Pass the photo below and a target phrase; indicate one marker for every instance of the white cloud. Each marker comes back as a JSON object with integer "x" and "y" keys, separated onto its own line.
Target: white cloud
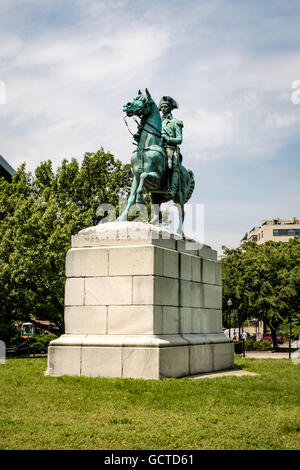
{"x": 66, "y": 82}
{"x": 65, "y": 76}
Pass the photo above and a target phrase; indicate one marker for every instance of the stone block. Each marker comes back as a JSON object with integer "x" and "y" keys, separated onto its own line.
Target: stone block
{"x": 169, "y": 243}
{"x": 171, "y": 264}
{"x": 143, "y": 290}
{"x": 219, "y": 319}
{"x": 201, "y": 358}
{"x": 218, "y": 274}
{"x": 155, "y": 290}
{"x": 191, "y": 294}
{"x": 166, "y": 291}
{"x": 223, "y": 356}
{"x": 174, "y": 361}
{"x": 212, "y": 296}
{"x": 185, "y": 266}
{"x": 185, "y": 320}
{"x": 85, "y": 320}
{"x": 206, "y": 252}
{"x": 197, "y": 294}
{"x": 101, "y": 361}
{"x": 64, "y": 360}
{"x": 185, "y": 293}
{"x": 209, "y": 321}
{"x": 142, "y": 363}
{"x": 208, "y": 271}
{"x": 108, "y": 290}
{"x": 196, "y": 314}
{"x": 134, "y": 320}
{"x": 136, "y": 260}
{"x": 82, "y": 262}
{"x": 196, "y": 268}
{"x": 74, "y": 291}
{"x": 170, "y": 320}
{"x": 187, "y": 246}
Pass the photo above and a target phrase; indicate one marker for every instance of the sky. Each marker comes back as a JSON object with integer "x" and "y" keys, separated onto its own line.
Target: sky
{"x": 68, "y": 66}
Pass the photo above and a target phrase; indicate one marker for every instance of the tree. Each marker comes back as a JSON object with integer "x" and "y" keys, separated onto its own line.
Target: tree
{"x": 38, "y": 215}
{"x": 263, "y": 281}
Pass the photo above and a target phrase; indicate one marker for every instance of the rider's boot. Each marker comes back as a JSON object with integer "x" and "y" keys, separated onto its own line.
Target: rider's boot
{"x": 173, "y": 189}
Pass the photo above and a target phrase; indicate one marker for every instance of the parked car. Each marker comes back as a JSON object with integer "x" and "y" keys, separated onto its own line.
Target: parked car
{"x": 268, "y": 337}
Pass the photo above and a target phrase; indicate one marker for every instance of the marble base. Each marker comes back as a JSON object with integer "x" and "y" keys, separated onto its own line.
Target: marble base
{"x": 146, "y": 357}
{"x": 146, "y": 306}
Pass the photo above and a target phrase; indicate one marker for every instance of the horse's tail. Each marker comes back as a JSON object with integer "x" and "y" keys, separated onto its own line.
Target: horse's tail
{"x": 191, "y": 187}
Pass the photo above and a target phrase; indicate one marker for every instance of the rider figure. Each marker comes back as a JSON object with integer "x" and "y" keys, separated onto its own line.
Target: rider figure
{"x": 172, "y": 137}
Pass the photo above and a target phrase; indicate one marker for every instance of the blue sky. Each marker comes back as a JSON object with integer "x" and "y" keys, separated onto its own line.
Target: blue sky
{"x": 69, "y": 66}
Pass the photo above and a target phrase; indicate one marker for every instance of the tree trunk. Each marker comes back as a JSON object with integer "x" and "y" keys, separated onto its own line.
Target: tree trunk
{"x": 274, "y": 338}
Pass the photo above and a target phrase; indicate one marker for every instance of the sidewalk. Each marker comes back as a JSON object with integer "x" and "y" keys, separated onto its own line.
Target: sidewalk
{"x": 270, "y": 354}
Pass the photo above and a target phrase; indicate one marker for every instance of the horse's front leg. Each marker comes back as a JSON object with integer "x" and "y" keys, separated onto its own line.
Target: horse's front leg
{"x": 139, "y": 193}
{"x": 131, "y": 199}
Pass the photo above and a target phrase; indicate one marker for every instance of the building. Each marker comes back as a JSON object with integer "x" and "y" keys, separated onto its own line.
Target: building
{"x": 6, "y": 170}
{"x": 277, "y": 230}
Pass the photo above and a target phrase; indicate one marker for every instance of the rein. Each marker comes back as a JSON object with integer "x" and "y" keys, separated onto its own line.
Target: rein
{"x": 124, "y": 118}
{"x": 159, "y": 134}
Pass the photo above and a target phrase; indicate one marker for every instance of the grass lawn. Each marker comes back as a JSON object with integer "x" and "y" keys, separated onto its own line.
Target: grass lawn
{"x": 249, "y": 412}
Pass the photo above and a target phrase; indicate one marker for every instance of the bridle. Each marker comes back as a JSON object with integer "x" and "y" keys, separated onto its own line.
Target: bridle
{"x": 157, "y": 132}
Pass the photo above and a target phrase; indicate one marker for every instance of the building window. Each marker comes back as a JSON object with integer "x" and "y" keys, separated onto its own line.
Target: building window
{"x": 284, "y": 232}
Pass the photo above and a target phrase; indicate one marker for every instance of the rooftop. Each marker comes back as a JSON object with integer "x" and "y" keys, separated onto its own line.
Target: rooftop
{"x": 5, "y": 169}
{"x": 292, "y": 221}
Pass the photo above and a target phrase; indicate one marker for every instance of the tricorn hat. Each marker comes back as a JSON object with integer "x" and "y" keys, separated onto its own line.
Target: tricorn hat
{"x": 169, "y": 100}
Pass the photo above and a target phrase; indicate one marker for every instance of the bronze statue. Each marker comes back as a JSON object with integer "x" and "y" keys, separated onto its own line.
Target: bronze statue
{"x": 157, "y": 149}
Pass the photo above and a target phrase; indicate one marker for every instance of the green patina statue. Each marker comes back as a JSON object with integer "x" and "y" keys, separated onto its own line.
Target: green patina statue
{"x": 156, "y": 162}
{"x": 172, "y": 137}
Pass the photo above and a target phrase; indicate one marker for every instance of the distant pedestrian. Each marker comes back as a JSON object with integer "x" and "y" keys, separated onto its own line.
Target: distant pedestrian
{"x": 244, "y": 335}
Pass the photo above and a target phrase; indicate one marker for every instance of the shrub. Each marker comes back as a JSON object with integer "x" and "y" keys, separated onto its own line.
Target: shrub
{"x": 41, "y": 342}
{"x": 252, "y": 345}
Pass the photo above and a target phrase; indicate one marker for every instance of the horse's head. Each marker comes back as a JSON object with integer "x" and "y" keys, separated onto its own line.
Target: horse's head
{"x": 139, "y": 106}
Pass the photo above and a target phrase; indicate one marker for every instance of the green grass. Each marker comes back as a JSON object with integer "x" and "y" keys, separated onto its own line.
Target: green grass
{"x": 249, "y": 412}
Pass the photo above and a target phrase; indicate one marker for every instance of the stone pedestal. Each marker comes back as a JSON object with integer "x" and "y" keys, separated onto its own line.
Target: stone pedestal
{"x": 140, "y": 302}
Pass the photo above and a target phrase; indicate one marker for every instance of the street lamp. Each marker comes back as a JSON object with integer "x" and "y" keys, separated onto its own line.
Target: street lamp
{"x": 229, "y": 303}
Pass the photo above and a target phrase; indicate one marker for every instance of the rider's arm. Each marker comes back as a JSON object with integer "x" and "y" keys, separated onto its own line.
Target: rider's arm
{"x": 177, "y": 140}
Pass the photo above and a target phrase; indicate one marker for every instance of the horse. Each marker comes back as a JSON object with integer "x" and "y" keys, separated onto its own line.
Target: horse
{"x": 148, "y": 162}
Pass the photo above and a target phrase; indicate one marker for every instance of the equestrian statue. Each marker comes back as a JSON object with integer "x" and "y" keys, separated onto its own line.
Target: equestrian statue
{"x": 157, "y": 162}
